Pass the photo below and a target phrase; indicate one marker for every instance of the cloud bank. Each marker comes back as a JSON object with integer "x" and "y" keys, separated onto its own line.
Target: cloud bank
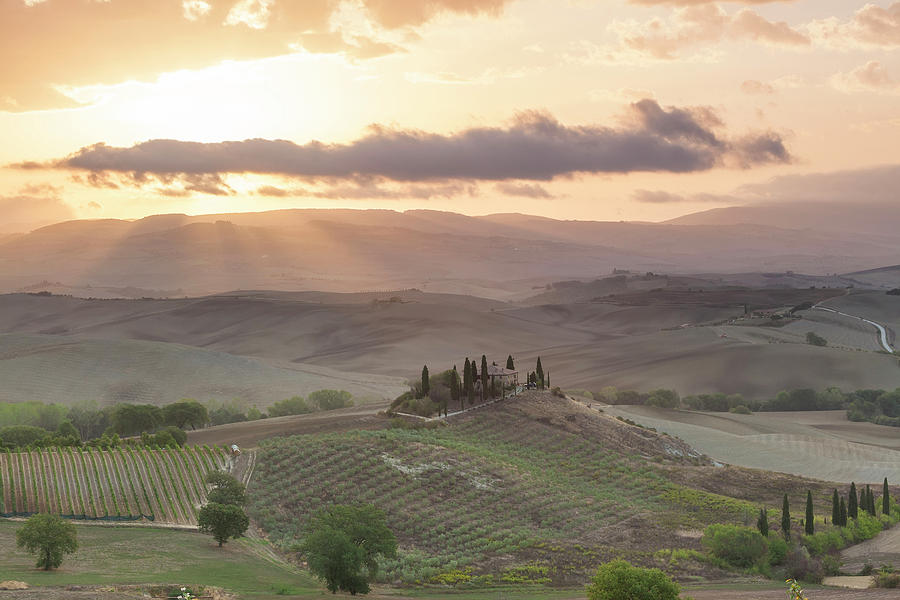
{"x": 534, "y": 147}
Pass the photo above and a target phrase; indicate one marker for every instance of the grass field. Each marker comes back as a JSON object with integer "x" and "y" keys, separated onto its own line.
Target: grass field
{"x": 130, "y": 555}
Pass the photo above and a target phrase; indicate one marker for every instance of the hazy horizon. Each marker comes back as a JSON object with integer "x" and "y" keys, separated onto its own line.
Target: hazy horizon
{"x": 636, "y": 110}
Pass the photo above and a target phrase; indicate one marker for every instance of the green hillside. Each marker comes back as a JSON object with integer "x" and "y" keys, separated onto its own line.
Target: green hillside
{"x": 537, "y": 488}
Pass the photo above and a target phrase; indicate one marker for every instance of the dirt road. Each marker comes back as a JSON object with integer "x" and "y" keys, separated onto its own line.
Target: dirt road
{"x": 248, "y": 434}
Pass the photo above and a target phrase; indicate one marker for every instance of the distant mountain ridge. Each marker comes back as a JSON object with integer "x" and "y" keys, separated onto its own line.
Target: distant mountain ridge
{"x": 500, "y": 256}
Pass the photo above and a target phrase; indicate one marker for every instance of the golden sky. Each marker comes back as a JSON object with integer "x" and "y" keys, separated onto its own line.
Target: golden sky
{"x": 587, "y": 109}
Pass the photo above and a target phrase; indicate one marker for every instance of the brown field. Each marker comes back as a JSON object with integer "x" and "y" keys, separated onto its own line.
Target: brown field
{"x": 884, "y": 549}
{"x": 260, "y": 347}
{"x": 822, "y": 445}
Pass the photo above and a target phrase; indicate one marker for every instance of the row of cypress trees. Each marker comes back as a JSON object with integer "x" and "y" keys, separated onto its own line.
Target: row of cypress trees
{"x": 840, "y": 511}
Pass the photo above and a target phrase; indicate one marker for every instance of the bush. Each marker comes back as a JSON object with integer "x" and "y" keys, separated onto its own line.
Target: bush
{"x": 803, "y": 567}
{"x": 331, "y": 399}
{"x": 738, "y": 546}
{"x": 887, "y": 579}
{"x": 815, "y": 340}
{"x": 292, "y": 406}
{"x": 741, "y": 410}
{"x": 664, "y": 399}
{"x": 618, "y": 580}
{"x": 778, "y": 549}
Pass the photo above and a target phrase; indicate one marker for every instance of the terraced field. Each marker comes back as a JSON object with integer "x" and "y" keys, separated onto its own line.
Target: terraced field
{"x": 125, "y": 484}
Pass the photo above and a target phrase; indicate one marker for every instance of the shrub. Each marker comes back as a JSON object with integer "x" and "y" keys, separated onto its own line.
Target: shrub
{"x": 619, "y": 580}
{"x": 738, "y": 546}
{"x": 815, "y": 340}
{"x": 778, "y": 549}
{"x": 801, "y": 566}
{"x": 331, "y": 399}
{"x": 741, "y": 410}
{"x": 887, "y": 579}
{"x": 291, "y": 406}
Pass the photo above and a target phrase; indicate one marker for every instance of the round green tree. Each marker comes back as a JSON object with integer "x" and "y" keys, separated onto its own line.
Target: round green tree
{"x": 343, "y": 546}
{"x": 49, "y": 537}
{"x": 225, "y": 489}
{"x": 223, "y": 521}
{"x": 619, "y": 580}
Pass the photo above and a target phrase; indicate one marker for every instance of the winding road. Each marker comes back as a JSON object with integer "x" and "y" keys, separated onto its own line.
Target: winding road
{"x": 881, "y": 329}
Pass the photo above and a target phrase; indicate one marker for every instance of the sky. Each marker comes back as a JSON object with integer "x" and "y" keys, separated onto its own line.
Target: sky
{"x": 573, "y": 109}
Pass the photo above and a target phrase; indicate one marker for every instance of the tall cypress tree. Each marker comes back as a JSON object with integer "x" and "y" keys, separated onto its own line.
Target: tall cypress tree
{"x": 467, "y": 381}
{"x": 539, "y": 371}
{"x": 426, "y": 385}
{"x": 886, "y": 499}
{"x": 867, "y": 505}
{"x": 786, "y": 518}
{"x": 484, "y": 378}
{"x": 843, "y": 513}
{"x": 810, "y": 516}
{"x": 548, "y": 378}
{"x": 454, "y": 388}
{"x": 852, "y": 502}
{"x": 835, "y": 509}
{"x": 762, "y": 523}
{"x": 510, "y": 364}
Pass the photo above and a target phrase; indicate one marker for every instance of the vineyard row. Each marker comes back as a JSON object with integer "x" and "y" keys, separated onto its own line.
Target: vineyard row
{"x": 123, "y": 484}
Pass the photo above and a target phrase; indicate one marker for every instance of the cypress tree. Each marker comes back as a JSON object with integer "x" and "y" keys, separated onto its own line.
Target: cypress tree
{"x": 467, "y": 381}
{"x": 810, "y": 517}
{"x": 867, "y": 505}
{"x": 886, "y": 499}
{"x": 510, "y": 364}
{"x": 835, "y": 509}
{"x": 548, "y": 378}
{"x": 843, "y": 513}
{"x": 872, "y": 510}
{"x": 786, "y": 518}
{"x": 762, "y": 523}
{"x": 539, "y": 371}
{"x": 454, "y": 388}
{"x": 852, "y": 502}
{"x": 484, "y": 378}
{"x": 426, "y": 385}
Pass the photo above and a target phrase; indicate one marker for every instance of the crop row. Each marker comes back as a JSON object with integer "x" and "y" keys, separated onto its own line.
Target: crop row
{"x": 456, "y": 496}
{"x": 123, "y": 484}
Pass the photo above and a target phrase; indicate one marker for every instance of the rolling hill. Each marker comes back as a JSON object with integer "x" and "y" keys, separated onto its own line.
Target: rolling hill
{"x": 265, "y": 346}
{"x": 499, "y": 256}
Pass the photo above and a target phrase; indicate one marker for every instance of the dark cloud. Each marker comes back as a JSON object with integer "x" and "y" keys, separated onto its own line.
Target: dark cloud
{"x": 535, "y": 147}
{"x": 107, "y": 42}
